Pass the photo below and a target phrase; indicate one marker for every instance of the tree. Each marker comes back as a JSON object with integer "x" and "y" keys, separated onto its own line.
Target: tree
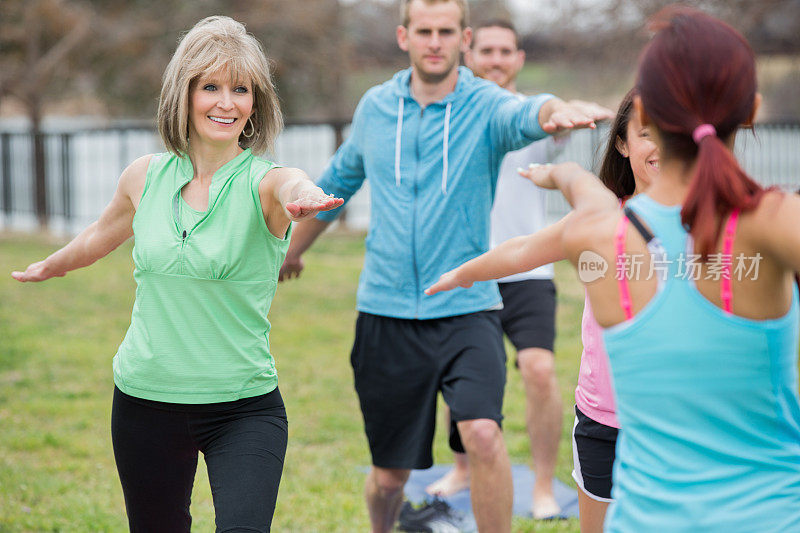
{"x": 38, "y": 38}
{"x": 117, "y": 51}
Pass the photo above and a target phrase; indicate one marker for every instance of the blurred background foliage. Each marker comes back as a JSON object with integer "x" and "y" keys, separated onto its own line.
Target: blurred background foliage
{"x": 105, "y": 58}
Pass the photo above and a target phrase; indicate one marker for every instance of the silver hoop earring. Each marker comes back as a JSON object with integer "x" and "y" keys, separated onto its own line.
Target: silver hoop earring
{"x": 252, "y": 128}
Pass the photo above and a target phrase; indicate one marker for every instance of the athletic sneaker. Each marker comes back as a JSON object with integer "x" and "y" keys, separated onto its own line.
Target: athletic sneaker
{"x": 432, "y": 517}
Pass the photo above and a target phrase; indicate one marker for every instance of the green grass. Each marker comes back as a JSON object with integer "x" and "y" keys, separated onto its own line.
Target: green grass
{"x": 56, "y": 343}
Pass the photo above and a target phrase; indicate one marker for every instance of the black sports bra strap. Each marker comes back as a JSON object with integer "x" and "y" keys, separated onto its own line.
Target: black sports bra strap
{"x": 646, "y": 234}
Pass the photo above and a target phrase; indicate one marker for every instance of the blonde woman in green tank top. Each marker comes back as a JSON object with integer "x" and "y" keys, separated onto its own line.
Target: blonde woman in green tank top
{"x": 211, "y": 223}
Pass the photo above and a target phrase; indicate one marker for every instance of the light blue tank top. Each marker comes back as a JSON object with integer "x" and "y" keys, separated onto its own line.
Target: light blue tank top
{"x": 708, "y": 407}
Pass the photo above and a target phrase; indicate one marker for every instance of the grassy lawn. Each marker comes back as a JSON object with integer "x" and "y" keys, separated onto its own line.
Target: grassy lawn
{"x": 56, "y": 343}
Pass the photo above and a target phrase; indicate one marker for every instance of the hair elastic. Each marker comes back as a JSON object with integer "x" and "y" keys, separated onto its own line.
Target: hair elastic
{"x": 702, "y": 131}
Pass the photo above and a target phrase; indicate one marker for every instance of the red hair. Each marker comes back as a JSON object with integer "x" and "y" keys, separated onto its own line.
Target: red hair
{"x": 698, "y": 70}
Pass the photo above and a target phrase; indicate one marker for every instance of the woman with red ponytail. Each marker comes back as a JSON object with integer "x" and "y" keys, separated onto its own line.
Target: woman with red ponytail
{"x": 698, "y": 299}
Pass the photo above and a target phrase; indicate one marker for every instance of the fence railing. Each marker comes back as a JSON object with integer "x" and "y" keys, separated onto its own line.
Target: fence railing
{"x": 82, "y": 167}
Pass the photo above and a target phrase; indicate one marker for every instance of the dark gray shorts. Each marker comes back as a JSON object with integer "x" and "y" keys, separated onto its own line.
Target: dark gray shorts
{"x": 400, "y": 365}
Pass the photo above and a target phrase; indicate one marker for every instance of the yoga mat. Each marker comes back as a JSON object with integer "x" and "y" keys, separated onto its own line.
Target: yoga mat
{"x": 566, "y": 496}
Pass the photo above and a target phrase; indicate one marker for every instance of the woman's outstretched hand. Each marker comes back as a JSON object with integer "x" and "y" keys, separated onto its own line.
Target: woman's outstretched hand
{"x": 36, "y": 272}
{"x": 540, "y": 175}
{"x": 310, "y": 202}
{"x": 447, "y": 282}
{"x": 545, "y": 175}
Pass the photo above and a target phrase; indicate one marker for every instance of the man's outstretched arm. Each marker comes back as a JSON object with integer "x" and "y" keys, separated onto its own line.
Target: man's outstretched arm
{"x": 343, "y": 177}
{"x": 517, "y": 123}
{"x": 557, "y": 116}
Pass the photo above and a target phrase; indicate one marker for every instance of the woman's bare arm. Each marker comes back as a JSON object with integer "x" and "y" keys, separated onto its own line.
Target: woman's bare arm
{"x": 114, "y": 227}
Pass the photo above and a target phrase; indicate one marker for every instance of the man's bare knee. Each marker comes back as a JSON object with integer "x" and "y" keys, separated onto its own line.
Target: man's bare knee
{"x": 389, "y": 481}
{"x": 482, "y": 438}
{"x": 537, "y": 367}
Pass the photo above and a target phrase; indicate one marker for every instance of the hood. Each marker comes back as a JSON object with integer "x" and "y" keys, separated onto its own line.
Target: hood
{"x": 401, "y": 84}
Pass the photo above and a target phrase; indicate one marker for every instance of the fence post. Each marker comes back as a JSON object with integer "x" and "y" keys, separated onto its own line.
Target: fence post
{"x": 5, "y": 150}
{"x": 39, "y": 179}
{"x": 595, "y": 142}
{"x": 338, "y": 130}
{"x": 123, "y": 149}
{"x": 66, "y": 179}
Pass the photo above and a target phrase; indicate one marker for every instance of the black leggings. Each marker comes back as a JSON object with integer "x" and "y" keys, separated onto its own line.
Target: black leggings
{"x": 156, "y": 444}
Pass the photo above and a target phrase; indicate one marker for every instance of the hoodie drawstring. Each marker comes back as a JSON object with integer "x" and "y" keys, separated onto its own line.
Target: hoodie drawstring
{"x": 445, "y": 146}
{"x": 397, "y": 143}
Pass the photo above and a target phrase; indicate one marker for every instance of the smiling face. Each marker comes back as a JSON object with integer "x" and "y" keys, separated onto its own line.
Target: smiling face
{"x": 433, "y": 39}
{"x": 218, "y": 108}
{"x": 494, "y": 56}
{"x": 642, "y": 152}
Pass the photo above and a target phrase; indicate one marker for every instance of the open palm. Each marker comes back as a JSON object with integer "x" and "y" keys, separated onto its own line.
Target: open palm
{"x": 311, "y": 202}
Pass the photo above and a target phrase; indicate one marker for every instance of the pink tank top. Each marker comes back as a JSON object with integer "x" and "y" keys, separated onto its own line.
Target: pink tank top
{"x": 594, "y": 394}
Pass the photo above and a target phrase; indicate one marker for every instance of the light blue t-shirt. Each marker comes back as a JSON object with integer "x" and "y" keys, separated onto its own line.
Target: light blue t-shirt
{"x": 708, "y": 407}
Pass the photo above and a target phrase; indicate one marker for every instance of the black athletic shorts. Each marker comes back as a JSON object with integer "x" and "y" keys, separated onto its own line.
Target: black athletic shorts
{"x": 400, "y": 365}
{"x": 529, "y": 313}
{"x": 593, "y": 452}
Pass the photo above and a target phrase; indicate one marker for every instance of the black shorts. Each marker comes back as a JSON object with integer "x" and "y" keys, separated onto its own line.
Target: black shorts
{"x": 529, "y": 313}
{"x": 400, "y": 366}
{"x": 593, "y": 452}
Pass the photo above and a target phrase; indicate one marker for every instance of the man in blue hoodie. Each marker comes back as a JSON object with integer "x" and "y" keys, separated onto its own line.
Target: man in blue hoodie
{"x": 529, "y": 298}
{"x": 430, "y": 141}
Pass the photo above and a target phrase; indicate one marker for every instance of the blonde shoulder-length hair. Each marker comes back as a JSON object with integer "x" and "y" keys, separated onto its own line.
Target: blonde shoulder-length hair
{"x": 217, "y": 44}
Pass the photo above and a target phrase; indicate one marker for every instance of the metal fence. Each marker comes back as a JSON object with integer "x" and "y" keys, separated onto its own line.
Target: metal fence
{"x": 82, "y": 167}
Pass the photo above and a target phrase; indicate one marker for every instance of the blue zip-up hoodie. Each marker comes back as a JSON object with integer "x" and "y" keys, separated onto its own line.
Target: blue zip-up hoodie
{"x": 432, "y": 176}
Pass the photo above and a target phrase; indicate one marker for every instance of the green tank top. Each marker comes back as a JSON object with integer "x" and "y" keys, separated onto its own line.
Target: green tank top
{"x": 199, "y": 331}
{"x": 187, "y": 215}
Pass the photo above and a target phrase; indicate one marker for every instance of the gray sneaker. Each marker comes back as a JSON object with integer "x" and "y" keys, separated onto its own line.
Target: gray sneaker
{"x": 435, "y": 516}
